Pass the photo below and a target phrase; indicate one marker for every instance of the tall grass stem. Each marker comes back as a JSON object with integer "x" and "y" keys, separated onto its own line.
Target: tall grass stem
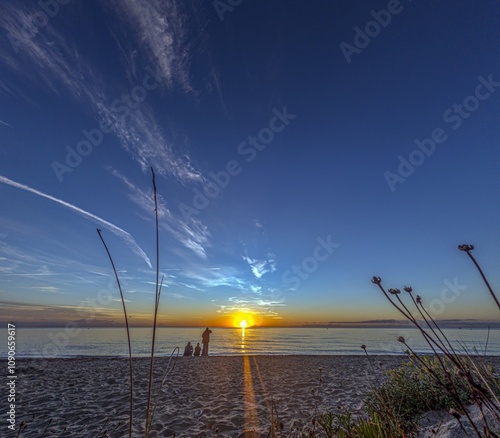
{"x": 128, "y": 333}
{"x": 157, "y": 298}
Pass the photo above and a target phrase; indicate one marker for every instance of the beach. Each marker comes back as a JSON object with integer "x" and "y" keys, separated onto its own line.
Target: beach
{"x": 200, "y": 395}
{"x": 224, "y": 396}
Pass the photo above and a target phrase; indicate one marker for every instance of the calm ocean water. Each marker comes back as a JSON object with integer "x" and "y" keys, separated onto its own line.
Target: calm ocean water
{"x": 55, "y": 342}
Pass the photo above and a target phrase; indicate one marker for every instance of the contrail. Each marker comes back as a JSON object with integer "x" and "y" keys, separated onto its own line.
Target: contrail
{"x": 105, "y": 224}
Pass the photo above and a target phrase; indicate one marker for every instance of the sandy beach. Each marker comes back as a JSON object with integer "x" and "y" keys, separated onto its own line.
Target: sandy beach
{"x": 232, "y": 396}
{"x": 200, "y": 396}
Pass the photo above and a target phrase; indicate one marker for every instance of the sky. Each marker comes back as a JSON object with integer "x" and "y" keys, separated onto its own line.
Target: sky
{"x": 299, "y": 149}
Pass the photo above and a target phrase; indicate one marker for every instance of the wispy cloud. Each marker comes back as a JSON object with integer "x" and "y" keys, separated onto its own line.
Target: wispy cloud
{"x": 191, "y": 233}
{"x": 159, "y": 28}
{"x": 57, "y": 62}
{"x": 256, "y": 303}
{"x": 60, "y": 67}
{"x": 261, "y": 267}
{"x": 191, "y": 286}
{"x": 256, "y": 289}
{"x": 176, "y": 296}
{"x": 50, "y": 289}
{"x": 255, "y": 306}
{"x": 129, "y": 240}
{"x": 43, "y": 313}
{"x": 140, "y": 135}
{"x": 207, "y": 277}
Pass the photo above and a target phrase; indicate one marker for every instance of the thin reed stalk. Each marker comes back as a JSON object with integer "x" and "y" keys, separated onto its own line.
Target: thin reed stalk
{"x": 157, "y": 301}
{"x": 407, "y": 314}
{"x": 46, "y": 428}
{"x": 423, "y": 310}
{"x": 22, "y": 426}
{"x": 467, "y": 249}
{"x": 128, "y": 333}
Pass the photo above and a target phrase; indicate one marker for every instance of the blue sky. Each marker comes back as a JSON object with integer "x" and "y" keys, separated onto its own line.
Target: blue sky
{"x": 299, "y": 148}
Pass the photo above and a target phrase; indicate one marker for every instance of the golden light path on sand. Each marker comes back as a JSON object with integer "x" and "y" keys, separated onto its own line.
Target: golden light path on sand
{"x": 251, "y": 417}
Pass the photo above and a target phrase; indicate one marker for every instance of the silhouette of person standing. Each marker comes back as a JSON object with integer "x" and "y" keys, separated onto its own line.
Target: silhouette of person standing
{"x": 205, "y": 339}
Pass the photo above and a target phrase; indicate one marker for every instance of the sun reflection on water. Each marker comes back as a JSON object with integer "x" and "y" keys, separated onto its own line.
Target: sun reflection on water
{"x": 242, "y": 339}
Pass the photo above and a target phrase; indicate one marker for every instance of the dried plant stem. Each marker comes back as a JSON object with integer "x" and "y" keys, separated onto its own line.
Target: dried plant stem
{"x": 46, "y": 428}
{"x": 101, "y": 430}
{"x": 407, "y": 314}
{"x": 22, "y": 426}
{"x": 128, "y": 334}
{"x": 157, "y": 301}
{"x": 484, "y": 277}
{"x": 423, "y": 310}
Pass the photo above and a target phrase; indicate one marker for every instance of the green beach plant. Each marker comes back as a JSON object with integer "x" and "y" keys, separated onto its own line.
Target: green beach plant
{"x": 411, "y": 391}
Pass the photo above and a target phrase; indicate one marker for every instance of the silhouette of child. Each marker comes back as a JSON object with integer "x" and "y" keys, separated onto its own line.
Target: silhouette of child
{"x": 197, "y": 349}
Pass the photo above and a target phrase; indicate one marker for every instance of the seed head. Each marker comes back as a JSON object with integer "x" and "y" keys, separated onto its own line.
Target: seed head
{"x": 394, "y": 291}
{"x": 418, "y": 299}
{"x": 401, "y": 339}
{"x": 408, "y": 289}
{"x": 376, "y": 280}
{"x": 466, "y": 247}
{"x": 363, "y": 347}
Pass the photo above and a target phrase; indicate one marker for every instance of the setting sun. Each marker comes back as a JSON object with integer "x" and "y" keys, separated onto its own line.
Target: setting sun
{"x": 243, "y": 319}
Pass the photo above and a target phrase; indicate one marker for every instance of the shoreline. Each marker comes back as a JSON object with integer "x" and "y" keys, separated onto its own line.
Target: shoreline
{"x": 166, "y": 356}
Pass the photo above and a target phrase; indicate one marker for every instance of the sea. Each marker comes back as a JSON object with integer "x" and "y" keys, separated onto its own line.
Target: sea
{"x": 60, "y": 342}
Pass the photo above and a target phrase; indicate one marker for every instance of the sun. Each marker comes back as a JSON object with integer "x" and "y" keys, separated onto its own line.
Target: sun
{"x": 243, "y": 319}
